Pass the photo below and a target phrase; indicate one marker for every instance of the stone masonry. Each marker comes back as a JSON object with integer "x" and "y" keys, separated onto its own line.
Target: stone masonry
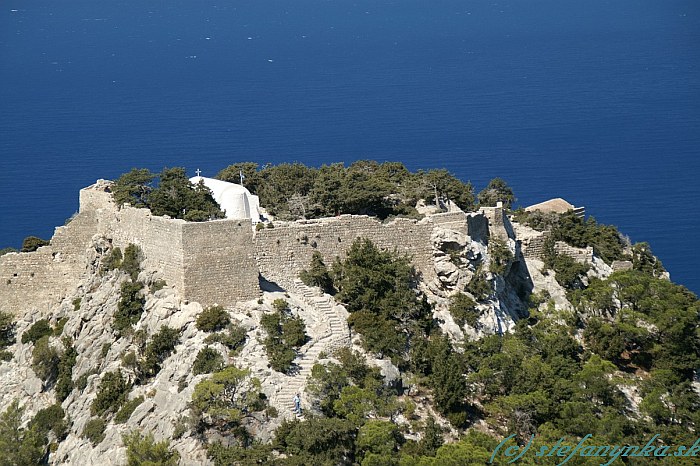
{"x": 282, "y": 252}
{"x": 217, "y": 262}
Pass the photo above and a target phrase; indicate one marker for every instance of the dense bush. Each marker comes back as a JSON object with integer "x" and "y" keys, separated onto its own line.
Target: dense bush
{"x": 32, "y": 243}
{"x": 233, "y": 337}
{"x": 378, "y": 288}
{"x": 8, "y": 250}
{"x": 158, "y": 285}
{"x": 285, "y": 333}
{"x": 129, "y": 308}
{"x": 127, "y": 410}
{"x": 464, "y": 310}
{"x": 133, "y": 188}
{"x": 607, "y": 242}
{"x": 19, "y": 445}
{"x": 213, "y": 319}
{"x": 51, "y": 419}
{"x": 317, "y": 274}
{"x": 64, "y": 382}
{"x": 496, "y": 191}
{"x": 174, "y": 195}
{"x": 479, "y": 286}
{"x": 113, "y": 260}
{"x": 327, "y": 382}
{"x": 227, "y": 397}
{"x": 569, "y": 273}
{"x": 131, "y": 263}
{"x": 60, "y": 325}
{"x": 94, "y": 430}
{"x": 39, "y": 329}
{"x": 111, "y": 394}
{"x": 161, "y": 345}
{"x": 208, "y": 360}
{"x": 291, "y": 191}
{"x": 144, "y": 451}
{"x": 45, "y": 360}
{"x": 7, "y": 330}
{"x": 500, "y": 255}
{"x": 645, "y": 261}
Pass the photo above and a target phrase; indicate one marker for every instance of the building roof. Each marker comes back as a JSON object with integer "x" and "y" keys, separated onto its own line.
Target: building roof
{"x": 234, "y": 199}
{"x": 557, "y": 205}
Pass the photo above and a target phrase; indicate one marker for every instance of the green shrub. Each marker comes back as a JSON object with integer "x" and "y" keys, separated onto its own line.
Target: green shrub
{"x": 131, "y": 264}
{"x": 133, "y": 187}
{"x": 129, "y": 360}
{"x": 127, "y": 410}
{"x": 81, "y": 382}
{"x": 51, "y": 419}
{"x": 105, "y": 350}
{"x": 317, "y": 274}
{"x": 58, "y": 330}
{"x": 233, "y": 338}
{"x": 645, "y": 261}
{"x": 45, "y": 360}
{"x": 39, "y": 329}
{"x": 500, "y": 255}
{"x": 479, "y": 286}
{"x": 284, "y": 334}
{"x": 64, "y": 382}
{"x": 129, "y": 308}
{"x": 464, "y": 310}
{"x": 280, "y": 305}
{"x": 19, "y": 445}
{"x": 259, "y": 226}
{"x": 158, "y": 349}
{"x": 144, "y": 451}
{"x": 7, "y": 329}
{"x": 32, "y": 243}
{"x": 158, "y": 285}
{"x": 5, "y": 355}
{"x": 113, "y": 260}
{"x": 208, "y": 360}
{"x": 606, "y": 240}
{"x": 496, "y": 191}
{"x": 111, "y": 394}
{"x": 213, "y": 319}
{"x": 8, "y": 250}
{"x": 94, "y": 430}
{"x": 76, "y": 304}
{"x": 568, "y": 271}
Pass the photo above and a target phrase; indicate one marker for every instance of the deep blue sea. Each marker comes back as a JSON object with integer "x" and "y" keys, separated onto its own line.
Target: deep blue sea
{"x": 595, "y": 101}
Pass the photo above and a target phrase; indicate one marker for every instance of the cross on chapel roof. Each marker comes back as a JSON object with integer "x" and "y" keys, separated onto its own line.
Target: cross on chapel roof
{"x": 198, "y": 171}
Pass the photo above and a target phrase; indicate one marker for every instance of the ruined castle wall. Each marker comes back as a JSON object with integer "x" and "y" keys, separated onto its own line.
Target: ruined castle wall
{"x": 582, "y": 255}
{"x": 30, "y": 281}
{"x": 282, "y": 252}
{"x": 159, "y": 238}
{"x": 39, "y": 280}
{"x": 533, "y": 246}
{"x": 219, "y": 262}
{"x": 455, "y": 221}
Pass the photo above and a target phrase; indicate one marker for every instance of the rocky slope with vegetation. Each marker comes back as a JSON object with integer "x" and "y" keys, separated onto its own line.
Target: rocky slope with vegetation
{"x": 391, "y": 369}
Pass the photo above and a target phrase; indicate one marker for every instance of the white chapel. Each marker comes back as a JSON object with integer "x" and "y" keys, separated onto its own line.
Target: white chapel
{"x": 234, "y": 199}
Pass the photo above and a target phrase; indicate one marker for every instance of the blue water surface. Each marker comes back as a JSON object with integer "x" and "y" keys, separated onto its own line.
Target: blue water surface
{"x": 597, "y": 102}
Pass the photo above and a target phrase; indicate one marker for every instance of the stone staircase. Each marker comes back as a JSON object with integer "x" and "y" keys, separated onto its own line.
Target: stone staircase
{"x": 337, "y": 336}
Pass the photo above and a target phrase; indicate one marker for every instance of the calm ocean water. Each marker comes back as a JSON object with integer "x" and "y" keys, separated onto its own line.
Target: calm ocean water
{"x": 597, "y": 102}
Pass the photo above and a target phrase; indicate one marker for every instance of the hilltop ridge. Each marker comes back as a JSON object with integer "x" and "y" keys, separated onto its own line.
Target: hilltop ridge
{"x": 417, "y": 331}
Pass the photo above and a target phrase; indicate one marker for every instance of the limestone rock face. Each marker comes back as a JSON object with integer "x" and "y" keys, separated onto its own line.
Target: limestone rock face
{"x": 455, "y": 257}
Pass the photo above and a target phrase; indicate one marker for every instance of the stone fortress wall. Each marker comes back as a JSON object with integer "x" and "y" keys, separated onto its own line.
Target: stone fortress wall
{"x": 211, "y": 262}
{"x": 282, "y": 252}
{"x": 220, "y": 262}
{"x": 41, "y": 279}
